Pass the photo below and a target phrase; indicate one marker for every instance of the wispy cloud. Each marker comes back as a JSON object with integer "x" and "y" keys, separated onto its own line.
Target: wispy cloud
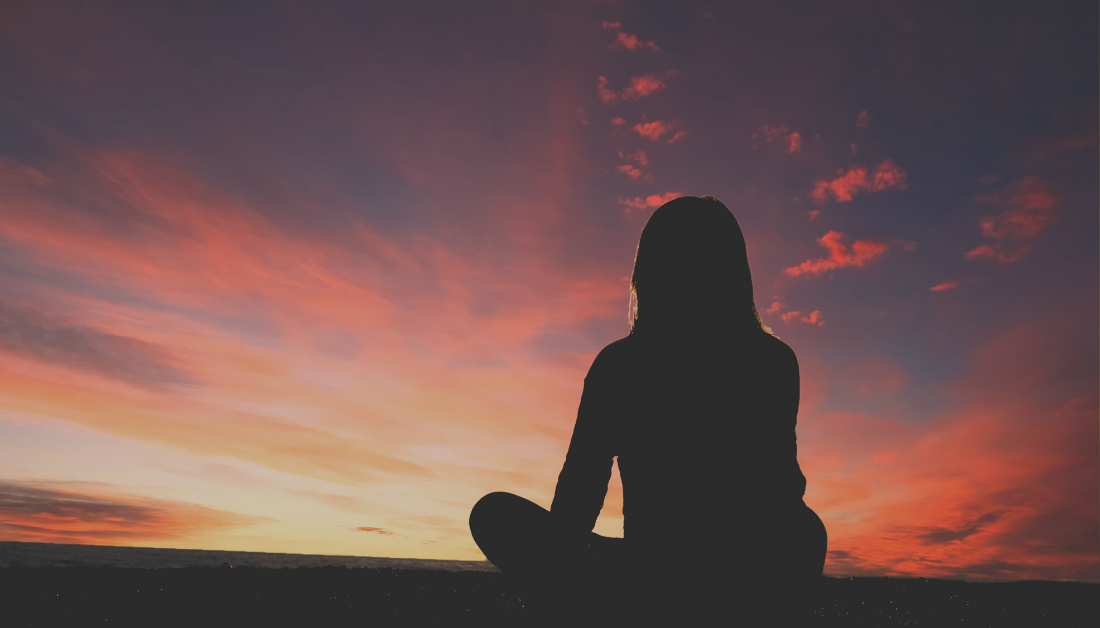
{"x": 30, "y": 332}
{"x": 1032, "y": 208}
{"x": 627, "y": 41}
{"x": 652, "y": 201}
{"x": 886, "y": 175}
{"x": 15, "y": 174}
{"x": 840, "y": 255}
{"x": 381, "y": 531}
{"x": 642, "y": 86}
{"x": 630, "y": 171}
{"x": 946, "y": 285}
{"x": 50, "y": 512}
{"x": 606, "y": 96}
{"x": 639, "y": 87}
{"x": 792, "y": 139}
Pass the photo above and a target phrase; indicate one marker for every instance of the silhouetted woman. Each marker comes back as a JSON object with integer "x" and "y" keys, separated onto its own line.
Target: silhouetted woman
{"x": 698, "y": 405}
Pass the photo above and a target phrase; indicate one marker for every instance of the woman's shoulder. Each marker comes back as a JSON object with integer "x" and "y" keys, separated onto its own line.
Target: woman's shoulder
{"x": 777, "y": 352}
{"x": 620, "y": 352}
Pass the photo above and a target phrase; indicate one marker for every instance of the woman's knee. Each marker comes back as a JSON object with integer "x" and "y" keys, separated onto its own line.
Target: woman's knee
{"x": 488, "y": 511}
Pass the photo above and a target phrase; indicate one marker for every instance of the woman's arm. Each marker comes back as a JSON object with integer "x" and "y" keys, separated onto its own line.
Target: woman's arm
{"x": 582, "y": 483}
{"x": 796, "y": 481}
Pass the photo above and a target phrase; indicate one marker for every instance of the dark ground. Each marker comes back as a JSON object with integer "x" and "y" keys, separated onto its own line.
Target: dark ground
{"x": 339, "y": 596}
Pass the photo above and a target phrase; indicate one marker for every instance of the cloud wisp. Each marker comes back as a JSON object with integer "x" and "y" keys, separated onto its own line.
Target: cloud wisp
{"x": 29, "y": 332}
{"x": 51, "y": 513}
{"x": 847, "y": 184}
{"x": 1031, "y": 209}
{"x": 840, "y": 255}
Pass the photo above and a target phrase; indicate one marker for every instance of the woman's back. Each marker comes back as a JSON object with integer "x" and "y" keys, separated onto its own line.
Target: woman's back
{"x": 702, "y": 429}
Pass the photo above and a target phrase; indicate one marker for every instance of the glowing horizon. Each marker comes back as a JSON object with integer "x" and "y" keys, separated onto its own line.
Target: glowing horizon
{"x": 314, "y": 280}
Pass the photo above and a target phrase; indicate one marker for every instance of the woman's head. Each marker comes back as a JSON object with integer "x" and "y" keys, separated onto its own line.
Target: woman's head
{"x": 691, "y": 271}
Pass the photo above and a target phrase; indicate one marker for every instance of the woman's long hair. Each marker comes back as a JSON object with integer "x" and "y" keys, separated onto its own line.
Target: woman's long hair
{"x": 691, "y": 272}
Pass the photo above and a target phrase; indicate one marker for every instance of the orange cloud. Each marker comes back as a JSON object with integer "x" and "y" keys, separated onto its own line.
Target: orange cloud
{"x": 374, "y": 530}
{"x": 814, "y": 318}
{"x": 886, "y": 175}
{"x": 605, "y": 95}
{"x": 13, "y": 173}
{"x": 770, "y": 134}
{"x": 795, "y": 143}
{"x": 946, "y": 285}
{"x": 1035, "y": 209}
{"x": 630, "y": 171}
{"x": 654, "y": 200}
{"x": 48, "y": 512}
{"x": 642, "y": 86}
{"x": 774, "y": 307}
{"x": 840, "y": 255}
{"x": 653, "y": 131}
{"x": 1032, "y": 208}
{"x": 631, "y": 42}
{"x": 638, "y": 156}
{"x": 29, "y": 332}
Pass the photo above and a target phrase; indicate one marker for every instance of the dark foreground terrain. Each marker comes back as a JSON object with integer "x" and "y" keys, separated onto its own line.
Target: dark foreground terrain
{"x": 340, "y": 596}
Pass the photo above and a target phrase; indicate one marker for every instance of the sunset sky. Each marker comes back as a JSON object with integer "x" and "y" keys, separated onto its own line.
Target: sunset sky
{"x": 314, "y": 277}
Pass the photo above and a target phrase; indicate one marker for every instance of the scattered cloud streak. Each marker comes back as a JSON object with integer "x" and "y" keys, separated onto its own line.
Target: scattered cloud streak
{"x": 29, "y": 332}
{"x": 840, "y": 255}
{"x": 48, "y": 513}
{"x": 1032, "y": 208}
{"x": 846, "y": 185}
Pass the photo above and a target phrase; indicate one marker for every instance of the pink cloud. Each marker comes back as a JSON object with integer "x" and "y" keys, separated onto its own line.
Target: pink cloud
{"x": 814, "y": 318}
{"x": 840, "y": 255}
{"x": 618, "y": 121}
{"x": 998, "y": 253}
{"x": 654, "y": 200}
{"x": 642, "y": 86}
{"x": 813, "y": 213}
{"x": 11, "y": 172}
{"x": 53, "y": 512}
{"x": 638, "y": 156}
{"x": 630, "y": 171}
{"x": 886, "y": 175}
{"x": 631, "y": 42}
{"x": 770, "y": 134}
{"x": 774, "y": 307}
{"x": 582, "y": 116}
{"x": 605, "y": 95}
{"x": 864, "y": 120}
{"x": 1032, "y": 208}
{"x": 611, "y": 26}
{"x": 374, "y": 530}
{"x": 795, "y": 143}
{"x": 679, "y": 135}
{"x": 652, "y": 131}
{"x": 946, "y": 285}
